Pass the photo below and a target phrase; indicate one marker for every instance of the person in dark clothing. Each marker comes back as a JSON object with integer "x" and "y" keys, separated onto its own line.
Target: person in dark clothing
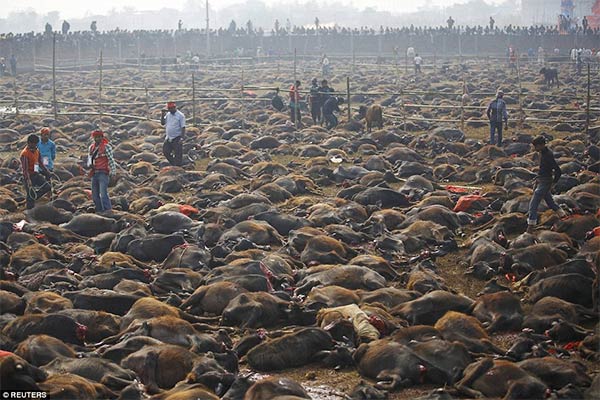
{"x": 548, "y": 174}
{"x": 496, "y": 113}
{"x": 329, "y": 107}
{"x": 35, "y": 174}
{"x": 324, "y": 94}
{"x": 315, "y": 102}
{"x": 65, "y": 27}
{"x": 295, "y": 115}
{"x": 48, "y": 28}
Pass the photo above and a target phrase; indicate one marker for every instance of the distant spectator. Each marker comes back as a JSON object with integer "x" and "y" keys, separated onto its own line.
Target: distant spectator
{"x": 65, "y": 27}
{"x": 93, "y": 27}
{"x": 496, "y": 113}
{"x": 492, "y": 22}
{"x": 418, "y": 61}
{"x": 48, "y": 28}
{"x": 450, "y": 22}
{"x": 295, "y": 115}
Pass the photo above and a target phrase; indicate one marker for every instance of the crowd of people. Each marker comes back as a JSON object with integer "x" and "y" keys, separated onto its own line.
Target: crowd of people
{"x": 94, "y": 37}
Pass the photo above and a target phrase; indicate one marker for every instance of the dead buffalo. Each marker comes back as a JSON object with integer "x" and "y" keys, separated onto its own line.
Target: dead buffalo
{"x": 467, "y": 330}
{"x": 500, "y": 379}
{"x": 430, "y": 307}
{"x": 154, "y": 247}
{"x": 253, "y": 310}
{"x": 500, "y": 311}
{"x": 41, "y": 349}
{"x": 18, "y": 374}
{"x": 557, "y": 373}
{"x": 394, "y": 365}
{"x": 96, "y": 369}
{"x": 276, "y": 388}
{"x": 90, "y": 225}
{"x": 292, "y": 350}
{"x": 574, "y": 288}
{"x": 348, "y": 276}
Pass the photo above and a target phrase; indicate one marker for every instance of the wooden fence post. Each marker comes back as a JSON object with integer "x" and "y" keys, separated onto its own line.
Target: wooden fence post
{"x": 296, "y": 95}
{"x": 100, "y": 88}
{"x": 193, "y": 100}
{"x": 54, "y": 76}
{"x": 242, "y": 95}
{"x": 462, "y": 105}
{"x": 16, "y": 94}
{"x": 403, "y": 106}
{"x": 147, "y": 101}
{"x": 521, "y": 112}
{"x": 348, "y": 97}
{"x": 587, "y": 107}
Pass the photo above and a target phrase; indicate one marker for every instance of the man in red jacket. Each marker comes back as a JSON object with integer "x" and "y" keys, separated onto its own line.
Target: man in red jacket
{"x": 34, "y": 172}
{"x": 102, "y": 165}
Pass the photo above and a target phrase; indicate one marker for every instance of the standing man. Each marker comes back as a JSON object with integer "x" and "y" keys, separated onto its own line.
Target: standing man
{"x": 548, "y": 174}
{"x": 492, "y": 23}
{"x": 65, "y": 27}
{"x": 102, "y": 167}
{"x": 450, "y": 22}
{"x": 496, "y": 113}
{"x": 47, "y": 149}
{"x": 35, "y": 174}
{"x": 325, "y": 65}
{"x": 418, "y": 61}
{"x": 540, "y": 55}
{"x": 314, "y": 99}
{"x": 295, "y": 116}
{"x": 174, "y": 122}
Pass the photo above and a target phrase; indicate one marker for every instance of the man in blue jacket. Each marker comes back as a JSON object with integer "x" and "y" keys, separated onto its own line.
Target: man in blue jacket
{"x": 47, "y": 149}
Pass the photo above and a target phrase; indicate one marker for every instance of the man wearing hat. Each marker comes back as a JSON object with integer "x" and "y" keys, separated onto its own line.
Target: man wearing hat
{"x": 174, "y": 122}
{"x": 102, "y": 165}
{"x": 34, "y": 172}
{"x": 548, "y": 174}
{"x": 47, "y": 149}
{"x": 496, "y": 113}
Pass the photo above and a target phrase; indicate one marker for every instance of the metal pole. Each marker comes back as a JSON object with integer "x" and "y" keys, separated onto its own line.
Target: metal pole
{"x": 296, "y": 96}
{"x": 16, "y": 95}
{"x": 147, "y": 101}
{"x": 120, "y": 53}
{"x": 348, "y": 97}
{"x": 33, "y": 50}
{"x": 352, "y": 49}
{"x": 100, "y": 88}
{"x": 589, "y": 99}
{"x": 462, "y": 105}
{"x": 78, "y": 54}
{"x": 207, "y": 33}
{"x": 193, "y": 100}
{"x": 54, "y": 76}
{"x": 521, "y": 113}
{"x": 242, "y": 95}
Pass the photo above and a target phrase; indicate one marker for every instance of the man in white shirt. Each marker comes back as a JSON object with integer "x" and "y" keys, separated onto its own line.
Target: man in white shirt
{"x": 418, "y": 61}
{"x": 174, "y": 122}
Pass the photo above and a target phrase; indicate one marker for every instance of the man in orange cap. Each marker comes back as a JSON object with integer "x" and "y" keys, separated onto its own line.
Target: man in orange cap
{"x": 102, "y": 164}
{"x": 34, "y": 172}
{"x": 174, "y": 122}
{"x": 47, "y": 149}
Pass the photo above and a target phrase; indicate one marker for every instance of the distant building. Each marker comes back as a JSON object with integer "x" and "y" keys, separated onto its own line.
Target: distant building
{"x": 540, "y": 12}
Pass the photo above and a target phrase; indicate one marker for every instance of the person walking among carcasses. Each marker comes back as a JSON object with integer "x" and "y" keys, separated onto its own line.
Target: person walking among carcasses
{"x": 35, "y": 174}
{"x": 174, "y": 122}
{"x": 314, "y": 98}
{"x": 47, "y": 149}
{"x": 102, "y": 166}
{"x": 548, "y": 174}
{"x": 496, "y": 113}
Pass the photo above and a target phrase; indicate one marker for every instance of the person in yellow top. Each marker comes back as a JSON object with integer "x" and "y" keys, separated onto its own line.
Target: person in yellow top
{"x": 35, "y": 174}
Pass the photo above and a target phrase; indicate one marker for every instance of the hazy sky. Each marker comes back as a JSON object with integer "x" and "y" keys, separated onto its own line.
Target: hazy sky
{"x": 79, "y": 8}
